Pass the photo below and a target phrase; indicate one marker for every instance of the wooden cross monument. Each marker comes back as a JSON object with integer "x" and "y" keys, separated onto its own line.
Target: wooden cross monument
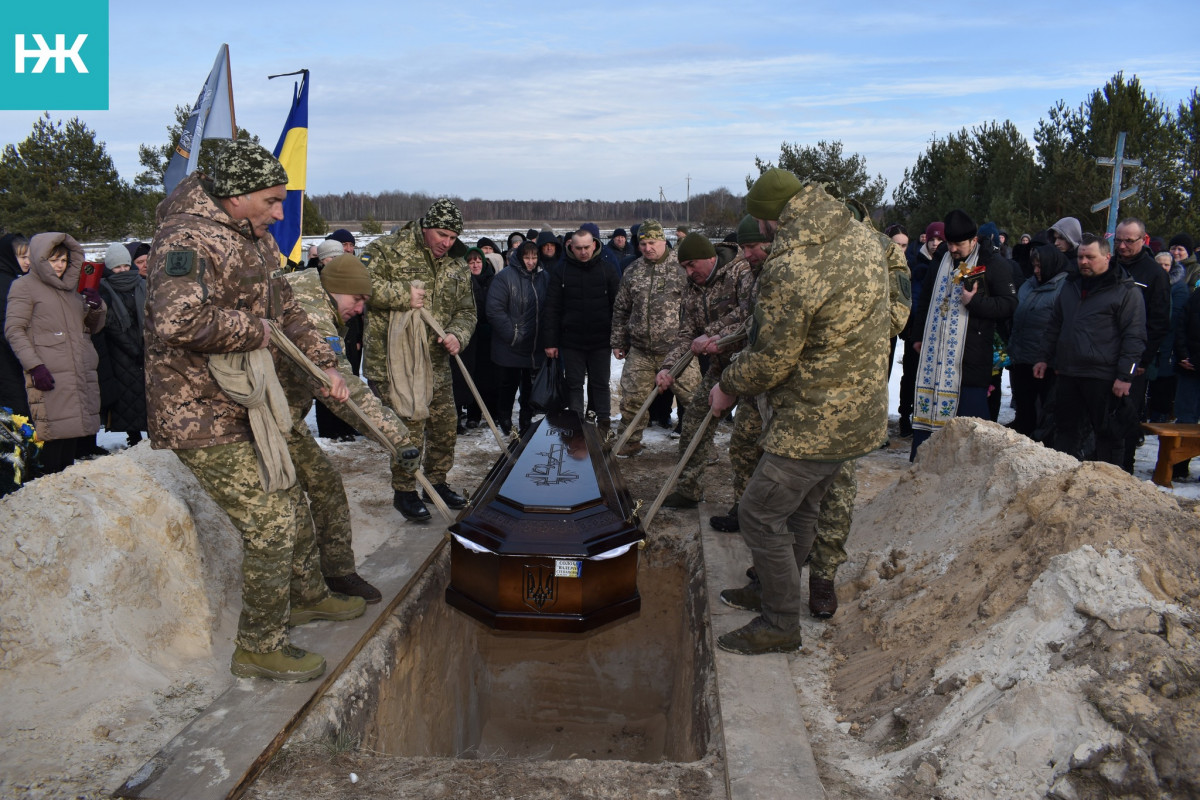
{"x": 1114, "y": 199}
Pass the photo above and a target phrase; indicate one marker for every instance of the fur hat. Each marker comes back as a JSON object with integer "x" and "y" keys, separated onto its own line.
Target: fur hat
{"x": 1182, "y": 239}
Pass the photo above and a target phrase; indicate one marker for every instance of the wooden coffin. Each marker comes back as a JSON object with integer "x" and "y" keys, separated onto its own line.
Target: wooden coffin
{"x": 548, "y": 542}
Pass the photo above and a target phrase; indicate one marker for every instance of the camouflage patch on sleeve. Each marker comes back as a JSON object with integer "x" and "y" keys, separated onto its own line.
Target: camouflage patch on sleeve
{"x": 365, "y": 258}
{"x": 180, "y": 263}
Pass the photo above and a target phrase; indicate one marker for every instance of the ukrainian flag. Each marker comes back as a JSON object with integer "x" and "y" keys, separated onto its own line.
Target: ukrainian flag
{"x": 292, "y": 152}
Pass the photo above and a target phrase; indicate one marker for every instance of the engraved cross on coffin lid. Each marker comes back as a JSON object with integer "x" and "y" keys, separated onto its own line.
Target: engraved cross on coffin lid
{"x": 548, "y": 543}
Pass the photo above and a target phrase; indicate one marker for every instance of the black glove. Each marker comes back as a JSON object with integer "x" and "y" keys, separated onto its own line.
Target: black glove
{"x": 410, "y": 459}
{"x": 42, "y": 379}
{"x": 92, "y": 296}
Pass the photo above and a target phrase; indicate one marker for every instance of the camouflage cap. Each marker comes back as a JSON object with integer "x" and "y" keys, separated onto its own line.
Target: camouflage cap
{"x": 748, "y": 232}
{"x": 244, "y": 167}
{"x": 346, "y": 275}
{"x": 771, "y": 192}
{"x": 651, "y": 229}
{"x": 445, "y": 215}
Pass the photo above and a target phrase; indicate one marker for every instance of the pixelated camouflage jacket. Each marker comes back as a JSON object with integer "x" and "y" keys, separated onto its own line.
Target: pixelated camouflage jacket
{"x": 720, "y": 307}
{"x": 646, "y": 309}
{"x": 393, "y": 262}
{"x": 209, "y": 286}
{"x": 323, "y": 314}
{"x": 819, "y": 344}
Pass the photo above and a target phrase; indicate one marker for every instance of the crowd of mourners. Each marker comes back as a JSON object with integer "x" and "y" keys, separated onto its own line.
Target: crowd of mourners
{"x": 86, "y": 368}
{"x": 202, "y": 341}
{"x": 1086, "y": 362}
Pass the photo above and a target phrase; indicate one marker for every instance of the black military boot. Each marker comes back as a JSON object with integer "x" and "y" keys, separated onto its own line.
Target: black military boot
{"x": 355, "y": 586}
{"x": 408, "y": 504}
{"x": 728, "y": 523}
{"x": 451, "y": 498}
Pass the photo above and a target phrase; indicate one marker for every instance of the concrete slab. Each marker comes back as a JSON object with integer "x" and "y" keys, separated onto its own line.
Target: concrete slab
{"x": 767, "y": 751}
{"x": 223, "y": 750}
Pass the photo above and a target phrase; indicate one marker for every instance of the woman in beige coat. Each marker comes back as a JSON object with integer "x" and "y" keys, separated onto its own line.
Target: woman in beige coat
{"x": 49, "y": 325}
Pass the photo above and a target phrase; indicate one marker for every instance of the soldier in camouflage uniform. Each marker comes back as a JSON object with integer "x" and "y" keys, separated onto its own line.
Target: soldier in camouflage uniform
{"x": 644, "y": 327}
{"x": 331, "y": 298}
{"x": 819, "y": 352}
{"x": 210, "y": 290}
{"x": 837, "y": 506}
{"x": 426, "y": 250}
{"x": 716, "y": 303}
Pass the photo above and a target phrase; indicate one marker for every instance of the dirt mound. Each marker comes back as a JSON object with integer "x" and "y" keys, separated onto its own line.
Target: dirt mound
{"x": 118, "y": 580}
{"x": 1017, "y": 623}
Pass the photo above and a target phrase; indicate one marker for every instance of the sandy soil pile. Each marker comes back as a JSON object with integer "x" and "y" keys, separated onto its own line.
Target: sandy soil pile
{"x": 1017, "y": 624}
{"x": 1013, "y": 623}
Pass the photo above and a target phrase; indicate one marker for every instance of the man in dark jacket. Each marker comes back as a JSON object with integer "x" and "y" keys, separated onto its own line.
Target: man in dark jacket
{"x": 1095, "y": 338}
{"x": 971, "y": 290}
{"x": 618, "y": 244}
{"x": 579, "y": 309}
{"x": 1135, "y": 257}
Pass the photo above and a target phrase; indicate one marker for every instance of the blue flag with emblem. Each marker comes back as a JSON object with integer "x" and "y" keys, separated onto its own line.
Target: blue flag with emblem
{"x": 211, "y": 118}
{"x": 292, "y": 152}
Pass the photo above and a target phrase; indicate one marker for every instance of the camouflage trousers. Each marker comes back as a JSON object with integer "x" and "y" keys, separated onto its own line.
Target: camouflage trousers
{"x": 637, "y": 380}
{"x": 691, "y": 480}
{"x": 279, "y": 556}
{"x": 744, "y": 452}
{"x": 326, "y": 501}
{"x": 833, "y": 523}
{"x": 436, "y": 435}
{"x": 837, "y": 505}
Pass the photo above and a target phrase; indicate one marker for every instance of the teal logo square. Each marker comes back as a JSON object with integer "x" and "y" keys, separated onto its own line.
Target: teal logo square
{"x": 54, "y": 56}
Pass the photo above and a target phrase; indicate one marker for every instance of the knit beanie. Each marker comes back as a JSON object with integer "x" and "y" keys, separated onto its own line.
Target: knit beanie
{"x": 959, "y": 227}
{"x": 770, "y": 193}
{"x": 651, "y": 229}
{"x": 935, "y": 230}
{"x": 591, "y": 228}
{"x": 342, "y": 235}
{"x": 1182, "y": 239}
{"x": 695, "y": 247}
{"x": 445, "y": 215}
{"x": 244, "y": 167}
{"x": 116, "y": 255}
{"x": 330, "y": 248}
{"x": 748, "y": 232}
{"x": 346, "y": 275}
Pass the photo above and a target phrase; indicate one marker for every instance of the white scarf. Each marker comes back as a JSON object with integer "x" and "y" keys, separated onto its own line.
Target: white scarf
{"x": 939, "y": 373}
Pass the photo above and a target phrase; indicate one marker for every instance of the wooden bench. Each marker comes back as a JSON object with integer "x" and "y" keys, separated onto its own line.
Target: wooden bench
{"x": 1177, "y": 442}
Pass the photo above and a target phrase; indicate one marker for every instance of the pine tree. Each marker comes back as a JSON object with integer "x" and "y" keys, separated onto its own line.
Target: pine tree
{"x": 845, "y": 176}
{"x": 62, "y": 179}
{"x": 154, "y": 159}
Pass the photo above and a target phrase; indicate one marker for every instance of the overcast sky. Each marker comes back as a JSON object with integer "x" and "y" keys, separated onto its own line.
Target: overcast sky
{"x": 550, "y": 100}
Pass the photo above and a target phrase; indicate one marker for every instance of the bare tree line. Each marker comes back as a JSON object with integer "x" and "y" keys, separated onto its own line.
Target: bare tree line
{"x": 396, "y": 206}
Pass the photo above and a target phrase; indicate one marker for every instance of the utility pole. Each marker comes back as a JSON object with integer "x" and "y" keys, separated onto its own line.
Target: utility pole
{"x": 1118, "y": 163}
{"x": 661, "y": 197}
{"x": 689, "y": 200}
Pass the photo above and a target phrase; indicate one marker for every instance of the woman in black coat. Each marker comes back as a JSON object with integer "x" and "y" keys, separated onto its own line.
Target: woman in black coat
{"x": 123, "y": 395}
